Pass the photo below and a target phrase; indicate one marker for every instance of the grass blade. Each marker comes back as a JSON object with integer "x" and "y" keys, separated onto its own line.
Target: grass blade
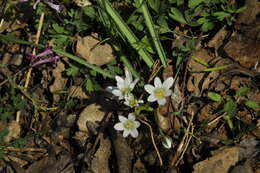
{"x": 126, "y": 31}
{"x": 153, "y": 33}
{"x": 127, "y": 63}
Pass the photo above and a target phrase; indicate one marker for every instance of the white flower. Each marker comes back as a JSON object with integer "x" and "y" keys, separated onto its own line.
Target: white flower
{"x": 131, "y": 101}
{"x": 167, "y": 142}
{"x": 128, "y": 125}
{"x": 160, "y": 90}
{"x": 124, "y": 86}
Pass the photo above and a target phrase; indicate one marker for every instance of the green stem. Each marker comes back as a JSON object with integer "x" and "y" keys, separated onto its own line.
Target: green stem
{"x": 230, "y": 123}
{"x": 126, "y": 62}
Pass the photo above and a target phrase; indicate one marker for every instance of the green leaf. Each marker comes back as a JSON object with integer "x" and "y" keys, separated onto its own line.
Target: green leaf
{"x": 90, "y": 12}
{"x": 154, "y": 34}
{"x": 172, "y": 1}
{"x": 221, "y": 15}
{"x": 230, "y": 107}
{"x": 177, "y": 15}
{"x": 6, "y": 115}
{"x": 180, "y": 2}
{"x": 227, "y": 142}
{"x": 154, "y": 4}
{"x": 4, "y": 132}
{"x": 20, "y": 142}
{"x": 214, "y": 96}
{"x": 188, "y": 15}
{"x": 146, "y": 43}
{"x": 242, "y": 91}
{"x": 241, "y": 9}
{"x": 114, "y": 69}
{"x": 72, "y": 70}
{"x": 202, "y": 20}
{"x": 93, "y": 73}
{"x": 70, "y": 104}
{"x": 126, "y": 32}
{"x": 164, "y": 27}
{"x": 18, "y": 102}
{"x": 136, "y": 21}
{"x": 207, "y": 26}
{"x": 216, "y": 68}
{"x": 251, "y": 104}
{"x": 200, "y": 61}
{"x": 194, "y": 3}
{"x": 58, "y": 29}
{"x": 89, "y": 86}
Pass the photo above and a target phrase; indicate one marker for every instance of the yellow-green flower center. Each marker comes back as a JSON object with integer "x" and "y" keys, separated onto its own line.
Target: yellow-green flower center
{"x": 125, "y": 91}
{"x": 159, "y": 93}
{"x": 129, "y": 124}
{"x": 132, "y": 102}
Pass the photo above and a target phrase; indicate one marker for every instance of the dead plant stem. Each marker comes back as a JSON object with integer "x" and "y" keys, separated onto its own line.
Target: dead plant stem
{"x": 1, "y": 23}
{"x": 28, "y": 76}
{"x": 185, "y": 147}
{"x": 181, "y": 148}
{"x": 155, "y": 147}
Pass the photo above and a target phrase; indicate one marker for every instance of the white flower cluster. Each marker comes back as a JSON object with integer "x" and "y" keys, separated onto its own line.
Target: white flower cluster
{"x": 128, "y": 125}
{"x": 124, "y": 88}
{"x": 123, "y": 91}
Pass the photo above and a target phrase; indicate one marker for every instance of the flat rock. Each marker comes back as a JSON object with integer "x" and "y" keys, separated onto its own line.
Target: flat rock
{"x": 221, "y": 162}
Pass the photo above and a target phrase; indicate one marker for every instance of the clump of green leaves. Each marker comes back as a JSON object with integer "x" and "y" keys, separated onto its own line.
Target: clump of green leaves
{"x": 74, "y": 21}
{"x": 232, "y": 103}
{"x": 204, "y": 13}
{"x": 10, "y": 102}
{"x": 180, "y": 52}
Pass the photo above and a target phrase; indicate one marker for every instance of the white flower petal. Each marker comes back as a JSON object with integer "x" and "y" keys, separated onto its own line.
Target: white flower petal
{"x": 149, "y": 88}
{"x": 35, "y": 4}
{"x": 58, "y": 8}
{"x": 128, "y": 76}
{"x": 161, "y": 101}
{"x": 110, "y": 88}
{"x": 127, "y": 103}
{"x": 131, "y": 116}
{"x": 122, "y": 118}
{"x": 157, "y": 82}
{"x": 131, "y": 129}
{"x": 119, "y": 126}
{"x": 167, "y": 143}
{"x": 119, "y": 79}
{"x": 168, "y": 93}
{"x": 120, "y": 83}
{"x": 140, "y": 101}
{"x": 137, "y": 124}
{"x": 132, "y": 85}
{"x": 134, "y": 133}
{"x": 117, "y": 92}
{"x": 151, "y": 98}
{"x": 126, "y": 133}
{"x": 167, "y": 84}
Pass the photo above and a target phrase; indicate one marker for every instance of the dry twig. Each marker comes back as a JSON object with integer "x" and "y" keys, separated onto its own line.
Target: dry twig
{"x": 155, "y": 147}
{"x": 183, "y": 145}
{"x": 28, "y": 76}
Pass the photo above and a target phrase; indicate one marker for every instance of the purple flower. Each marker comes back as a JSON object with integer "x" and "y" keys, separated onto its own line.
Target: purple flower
{"x": 38, "y": 58}
{"x": 58, "y": 8}
{"x": 42, "y": 61}
{"x": 46, "y": 52}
